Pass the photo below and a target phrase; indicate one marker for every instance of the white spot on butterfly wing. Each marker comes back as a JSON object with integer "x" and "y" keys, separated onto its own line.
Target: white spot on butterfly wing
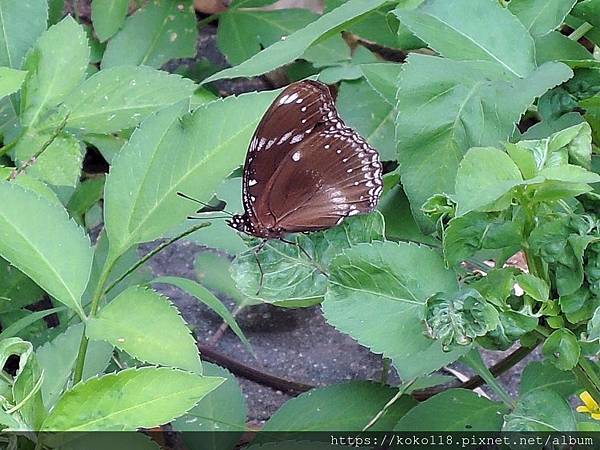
{"x": 303, "y": 109}
{"x": 296, "y": 156}
{"x": 283, "y": 99}
{"x": 291, "y": 98}
{"x": 284, "y": 138}
{"x": 297, "y": 138}
{"x": 252, "y": 182}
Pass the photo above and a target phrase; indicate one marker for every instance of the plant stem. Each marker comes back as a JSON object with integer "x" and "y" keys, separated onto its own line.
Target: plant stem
{"x": 153, "y": 252}
{"x": 580, "y": 31}
{"x": 401, "y": 391}
{"x": 83, "y": 345}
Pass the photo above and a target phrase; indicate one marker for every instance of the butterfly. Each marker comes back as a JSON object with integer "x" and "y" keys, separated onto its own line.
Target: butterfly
{"x": 305, "y": 169}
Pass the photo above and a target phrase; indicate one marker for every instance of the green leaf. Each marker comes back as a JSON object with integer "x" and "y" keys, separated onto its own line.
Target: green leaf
{"x": 158, "y": 32}
{"x": 128, "y": 400}
{"x": 223, "y": 410}
{"x": 440, "y": 117}
{"x": 108, "y": 17}
{"x": 54, "y": 252}
{"x": 473, "y": 30}
{"x": 383, "y": 77}
{"x": 286, "y": 51}
{"x": 589, "y": 11}
{"x": 363, "y": 109}
{"x": 26, "y": 390}
{"x": 57, "y": 357}
{"x": 556, "y": 46}
{"x": 243, "y": 33}
{"x": 385, "y": 279}
{"x": 346, "y": 406}
{"x": 294, "y": 275}
{"x": 459, "y": 318}
{"x": 21, "y": 23}
{"x": 205, "y": 296}
{"x": 56, "y": 65}
{"x": 579, "y": 306}
{"x": 156, "y": 334}
{"x": 59, "y": 165}
{"x": 87, "y": 194}
{"x": 454, "y": 410}
{"x": 121, "y": 97}
{"x": 535, "y": 287}
{"x": 16, "y": 327}
{"x": 562, "y": 349}
{"x": 10, "y": 80}
{"x": 540, "y": 410}
{"x": 540, "y": 17}
{"x": 466, "y": 235}
{"x": 484, "y": 176}
{"x": 544, "y": 375}
{"x": 16, "y": 289}
{"x": 141, "y": 201}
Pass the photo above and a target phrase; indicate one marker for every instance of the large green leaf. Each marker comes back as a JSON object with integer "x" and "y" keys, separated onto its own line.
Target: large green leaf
{"x": 141, "y": 201}
{"x": 544, "y": 375}
{"x": 296, "y": 275}
{"x": 376, "y": 294}
{"x": 454, "y": 410}
{"x": 108, "y": 16}
{"x": 209, "y": 299}
{"x": 156, "y": 333}
{"x": 363, "y": 109}
{"x": 56, "y": 65}
{"x": 39, "y": 239}
{"x": 243, "y": 33}
{"x": 457, "y": 105}
{"x": 159, "y": 31}
{"x": 478, "y": 30}
{"x": 128, "y": 400}
{"x": 121, "y": 97}
{"x": 21, "y": 23}
{"x": 223, "y": 410}
{"x": 540, "y": 17}
{"x": 286, "y": 51}
{"x": 57, "y": 357}
{"x": 589, "y": 11}
{"x": 343, "y": 407}
{"x": 540, "y": 410}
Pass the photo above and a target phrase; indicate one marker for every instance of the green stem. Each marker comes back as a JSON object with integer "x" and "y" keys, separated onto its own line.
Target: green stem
{"x": 83, "y": 345}
{"x": 207, "y": 20}
{"x": 155, "y": 251}
{"x": 580, "y": 31}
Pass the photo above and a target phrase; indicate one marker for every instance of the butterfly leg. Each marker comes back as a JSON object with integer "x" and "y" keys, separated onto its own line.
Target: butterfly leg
{"x": 256, "y": 252}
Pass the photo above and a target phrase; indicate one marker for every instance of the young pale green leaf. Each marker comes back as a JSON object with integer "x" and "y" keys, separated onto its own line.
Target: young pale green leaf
{"x": 441, "y": 116}
{"x": 535, "y": 287}
{"x": 295, "y": 275}
{"x": 21, "y": 23}
{"x": 121, "y": 97}
{"x": 454, "y": 410}
{"x": 540, "y": 410}
{"x": 540, "y": 17}
{"x": 159, "y": 31}
{"x": 141, "y": 201}
{"x": 478, "y": 30}
{"x": 345, "y": 407}
{"x": 41, "y": 241}
{"x": 224, "y": 409}
{"x": 244, "y": 33}
{"x": 562, "y": 349}
{"x": 387, "y": 280}
{"x": 205, "y": 296}
{"x": 57, "y": 357}
{"x": 108, "y": 16}
{"x": 484, "y": 176}
{"x": 156, "y": 334}
{"x": 56, "y": 65}
{"x": 128, "y": 400}
{"x": 26, "y": 390}
{"x": 363, "y": 109}
{"x": 459, "y": 318}
{"x": 10, "y": 80}
{"x": 286, "y": 51}
{"x": 544, "y": 375}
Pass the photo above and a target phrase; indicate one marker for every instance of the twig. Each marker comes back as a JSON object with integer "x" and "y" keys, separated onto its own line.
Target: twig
{"x": 580, "y": 31}
{"x": 224, "y": 327}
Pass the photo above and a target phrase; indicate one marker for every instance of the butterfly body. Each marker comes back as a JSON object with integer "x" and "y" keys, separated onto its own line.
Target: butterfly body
{"x": 305, "y": 169}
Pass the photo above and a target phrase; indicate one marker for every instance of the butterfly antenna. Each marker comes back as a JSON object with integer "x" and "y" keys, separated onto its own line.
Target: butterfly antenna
{"x": 206, "y": 205}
